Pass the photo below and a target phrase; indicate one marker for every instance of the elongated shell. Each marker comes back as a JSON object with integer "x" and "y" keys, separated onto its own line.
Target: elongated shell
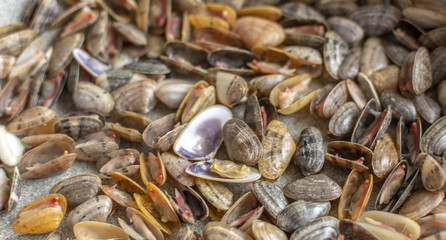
{"x": 335, "y": 50}
{"x": 98, "y": 230}
{"x": 401, "y": 224}
{"x": 313, "y": 188}
{"x": 246, "y": 204}
{"x": 45, "y": 218}
{"x": 217, "y": 194}
{"x": 95, "y": 209}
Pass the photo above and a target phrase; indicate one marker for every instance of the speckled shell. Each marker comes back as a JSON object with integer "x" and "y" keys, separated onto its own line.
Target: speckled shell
{"x": 309, "y": 155}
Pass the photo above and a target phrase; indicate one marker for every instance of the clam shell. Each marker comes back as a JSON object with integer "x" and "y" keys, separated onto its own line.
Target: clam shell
{"x": 77, "y": 126}
{"x": 346, "y": 154}
{"x": 207, "y": 128}
{"x": 176, "y": 168}
{"x": 399, "y": 223}
{"x": 321, "y": 228}
{"x": 203, "y": 170}
{"x": 216, "y": 230}
{"x": 431, "y": 141}
{"x": 432, "y": 172}
{"x": 385, "y": 156}
{"x": 349, "y": 30}
{"x": 31, "y": 117}
{"x": 217, "y": 194}
{"x": 313, "y": 188}
{"x": 420, "y": 203}
{"x": 271, "y": 197}
{"x": 157, "y": 129}
{"x": 300, "y": 213}
{"x": 343, "y": 121}
{"x": 256, "y": 31}
{"x": 350, "y": 189}
{"x": 427, "y": 107}
{"x": 95, "y": 209}
{"x": 41, "y": 220}
{"x": 401, "y": 106}
{"x": 198, "y": 207}
{"x": 416, "y": 73}
{"x": 132, "y": 214}
{"x": 309, "y": 155}
{"x": 138, "y": 96}
{"x": 11, "y": 153}
{"x": 90, "y": 97}
{"x": 152, "y": 169}
{"x": 329, "y": 100}
{"x": 62, "y": 52}
{"x": 9, "y": 188}
{"x": 231, "y": 88}
{"x": 246, "y": 204}
{"x": 376, "y": 19}
{"x": 97, "y": 230}
{"x": 199, "y": 97}
{"x": 172, "y": 92}
{"x": 373, "y": 57}
{"x": 278, "y": 149}
{"x": 349, "y": 68}
{"x": 335, "y": 50}
{"x": 264, "y": 230}
{"x": 242, "y": 144}
{"x": 78, "y": 189}
{"x": 300, "y": 101}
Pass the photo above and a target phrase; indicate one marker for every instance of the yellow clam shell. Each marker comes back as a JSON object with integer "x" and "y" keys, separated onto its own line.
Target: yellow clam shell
{"x": 41, "y": 216}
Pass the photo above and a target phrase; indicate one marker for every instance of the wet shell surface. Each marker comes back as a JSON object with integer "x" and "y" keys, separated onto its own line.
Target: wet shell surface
{"x": 207, "y": 129}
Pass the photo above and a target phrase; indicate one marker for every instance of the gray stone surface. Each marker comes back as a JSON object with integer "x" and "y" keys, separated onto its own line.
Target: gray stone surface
{"x": 11, "y": 11}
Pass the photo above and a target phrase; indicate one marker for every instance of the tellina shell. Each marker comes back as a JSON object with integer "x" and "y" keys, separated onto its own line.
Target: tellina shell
{"x": 271, "y": 196}
{"x": 98, "y": 230}
{"x": 207, "y": 131}
{"x": 241, "y": 143}
{"x": 42, "y": 215}
{"x": 309, "y": 155}
{"x": 313, "y": 188}
{"x": 152, "y": 169}
{"x": 78, "y": 189}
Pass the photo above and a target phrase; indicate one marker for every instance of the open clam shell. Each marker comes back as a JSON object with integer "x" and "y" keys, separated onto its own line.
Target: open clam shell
{"x": 258, "y": 114}
{"x": 152, "y": 169}
{"x": 354, "y": 197}
{"x": 9, "y": 184}
{"x": 292, "y": 94}
{"x": 400, "y": 224}
{"x": 349, "y": 155}
{"x": 243, "y": 212}
{"x": 204, "y": 170}
{"x": 157, "y": 129}
{"x": 188, "y": 204}
{"x": 368, "y": 88}
{"x": 408, "y": 138}
{"x": 327, "y": 101}
{"x": 141, "y": 224}
{"x": 199, "y": 97}
{"x": 372, "y": 124}
{"x": 48, "y": 158}
{"x": 207, "y": 131}
{"x": 41, "y": 216}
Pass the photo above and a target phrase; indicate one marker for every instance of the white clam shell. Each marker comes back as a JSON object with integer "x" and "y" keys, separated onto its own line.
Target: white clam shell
{"x": 11, "y": 149}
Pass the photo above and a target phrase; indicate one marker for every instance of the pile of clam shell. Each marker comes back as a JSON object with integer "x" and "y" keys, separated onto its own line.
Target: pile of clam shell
{"x": 224, "y": 119}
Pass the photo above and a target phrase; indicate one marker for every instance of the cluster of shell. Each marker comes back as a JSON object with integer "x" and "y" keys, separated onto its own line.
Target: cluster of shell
{"x": 385, "y": 62}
